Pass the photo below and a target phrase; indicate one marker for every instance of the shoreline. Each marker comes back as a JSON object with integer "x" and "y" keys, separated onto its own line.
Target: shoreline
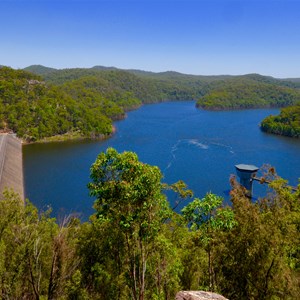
{"x": 69, "y": 137}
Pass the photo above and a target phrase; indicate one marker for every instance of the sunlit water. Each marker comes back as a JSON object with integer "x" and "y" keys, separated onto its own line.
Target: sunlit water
{"x": 199, "y": 147}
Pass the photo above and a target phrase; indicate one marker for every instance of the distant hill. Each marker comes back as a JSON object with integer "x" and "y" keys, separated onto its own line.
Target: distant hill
{"x": 293, "y": 83}
{"x": 212, "y": 92}
{"x": 46, "y": 102}
{"x": 148, "y": 89}
{"x": 292, "y": 79}
{"x": 103, "y": 68}
{"x": 246, "y": 92}
{"x": 39, "y": 69}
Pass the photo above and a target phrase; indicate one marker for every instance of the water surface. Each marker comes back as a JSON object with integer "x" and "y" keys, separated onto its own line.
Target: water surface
{"x": 199, "y": 147}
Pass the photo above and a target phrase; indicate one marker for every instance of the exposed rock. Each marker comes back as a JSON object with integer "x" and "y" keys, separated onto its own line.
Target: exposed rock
{"x": 33, "y": 82}
{"x": 198, "y": 295}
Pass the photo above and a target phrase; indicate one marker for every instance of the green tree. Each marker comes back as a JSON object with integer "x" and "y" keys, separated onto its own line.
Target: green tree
{"x": 129, "y": 198}
{"x": 286, "y": 123}
{"x": 259, "y": 257}
{"x": 37, "y": 256}
{"x": 206, "y": 216}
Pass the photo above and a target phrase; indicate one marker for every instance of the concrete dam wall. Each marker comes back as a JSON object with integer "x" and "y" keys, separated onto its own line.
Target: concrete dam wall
{"x": 11, "y": 164}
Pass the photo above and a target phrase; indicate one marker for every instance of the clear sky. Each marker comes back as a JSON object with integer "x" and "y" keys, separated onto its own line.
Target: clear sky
{"x": 206, "y": 37}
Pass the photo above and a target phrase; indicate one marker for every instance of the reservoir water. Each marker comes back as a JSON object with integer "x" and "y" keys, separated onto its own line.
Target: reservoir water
{"x": 200, "y": 147}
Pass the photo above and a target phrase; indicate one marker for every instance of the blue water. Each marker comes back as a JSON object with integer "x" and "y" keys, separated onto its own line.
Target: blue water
{"x": 199, "y": 147}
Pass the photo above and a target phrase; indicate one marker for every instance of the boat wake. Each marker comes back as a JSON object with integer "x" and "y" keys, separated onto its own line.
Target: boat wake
{"x": 192, "y": 142}
{"x": 229, "y": 148}
{"x": 196, "y": 143}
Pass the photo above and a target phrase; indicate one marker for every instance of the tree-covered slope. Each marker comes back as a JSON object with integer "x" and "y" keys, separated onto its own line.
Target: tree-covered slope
{"x": 96, "y": 92}
{"x": 293, "y": 83}
{"x": 110, "y": 91}
{"x": 244, "y": 92}
{"x": 215, "y": 92}
{"x": 39, "y": 69}
{"x": 35, "y": 110}
{"x": 149, "y": 87}
{"x": 287, "y": 123}
{"x": 135, "y": 246}
{"x": 147, "y": 90}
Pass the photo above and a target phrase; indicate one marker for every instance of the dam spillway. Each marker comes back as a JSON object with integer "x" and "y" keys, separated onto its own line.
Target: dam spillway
{"x": 11, "y": 164}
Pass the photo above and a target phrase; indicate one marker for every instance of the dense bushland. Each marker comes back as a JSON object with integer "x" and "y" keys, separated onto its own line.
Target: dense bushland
{"x": 84, "y": 102}
{"x": 34, "y": 109}
{"x": 286, "y": 123}
{"x": 245, "y": 93}
{"x": 215, "y": 92}
{"x": 136, "y": 247}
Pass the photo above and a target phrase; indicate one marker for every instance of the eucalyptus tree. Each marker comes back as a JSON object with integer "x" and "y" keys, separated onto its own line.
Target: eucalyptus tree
{"x": 36, "y": 256}
{"x": 259, "y": 258}
{"x": 207, "y": 217}
{"x": 130, "y": 202}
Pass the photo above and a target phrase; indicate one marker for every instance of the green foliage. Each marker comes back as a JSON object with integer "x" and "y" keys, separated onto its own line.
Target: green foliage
{"x": 98, "y": 92}
{"x": 245, "y": 93}
{"x": 84, "y": 102}
{"x": 35, "y": 110}
{"x": 36, "y": 255}
{"x": 201, "y": 211}
{"x": 129, "y": 199}
{"x": 216, "y": 92}
{"x": 164, "y": 266}
{"x": 258, "y": 258}
{"x": 136, "y": 247}
{"x": 39, "y": 69}
{"x": 148, "y": 87}
{"x": 287, "y": 123}
{"x": 207, "y": 217}
{"x": 137, "y": 187}
{"x": 181, "y": 191}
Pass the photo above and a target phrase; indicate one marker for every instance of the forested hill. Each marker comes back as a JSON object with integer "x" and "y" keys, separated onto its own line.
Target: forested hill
{"x": 246, "y": 92}
{"x": 125, "y": 89}
{"x": 39, "y": 69}
{"x": 35, "y": 109}
{"x": 144, "y": 86}
{"x": 212, "y": 92}
{"x": 287, "y": 123}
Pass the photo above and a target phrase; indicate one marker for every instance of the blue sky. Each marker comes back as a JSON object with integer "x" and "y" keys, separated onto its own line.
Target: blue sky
{"x": 196, "y": 37}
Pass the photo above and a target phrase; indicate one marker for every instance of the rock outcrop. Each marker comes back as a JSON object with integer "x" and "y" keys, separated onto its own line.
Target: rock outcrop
{"x": 198, "y": 295}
